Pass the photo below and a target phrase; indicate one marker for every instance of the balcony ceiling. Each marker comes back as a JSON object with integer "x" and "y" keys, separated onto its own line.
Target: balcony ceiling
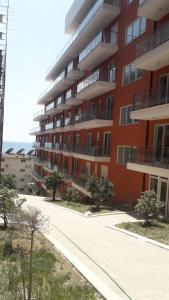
{"x": 97, "y": 56}
{"x": 40, "y": 118}
{"x": 73, "y": 101}
{"x": 154, "y": 59}
{"x": 103, "y": 17}
{"x": 96, "y": 89}
{"x": 154, "y": 9}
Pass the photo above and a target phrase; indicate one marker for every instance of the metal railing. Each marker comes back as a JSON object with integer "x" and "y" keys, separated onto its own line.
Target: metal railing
{"x": 93, "y": 115}
{"x": 57, "y": 146}
{"x": 48, "y": 146}
{"x": 90, "y": 15}
{"x": 35, "y": 130}
{"x": 49, "y": 126}
{"x": 36, "y": 174}
{"x": 157, "y": 38}
{"x": 150, "y": 98}
{"x": 50, "y": 106}
{"x": 68, "y": 147}
{"x": 153, "y": 156}
{"x": 96, "y": 151}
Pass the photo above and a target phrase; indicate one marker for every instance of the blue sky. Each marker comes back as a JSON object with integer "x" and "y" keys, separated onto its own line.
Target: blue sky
{"x": 36, "y": 36}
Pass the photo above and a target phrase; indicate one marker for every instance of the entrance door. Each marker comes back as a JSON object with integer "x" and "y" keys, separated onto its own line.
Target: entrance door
{"x": 164, "y": 89}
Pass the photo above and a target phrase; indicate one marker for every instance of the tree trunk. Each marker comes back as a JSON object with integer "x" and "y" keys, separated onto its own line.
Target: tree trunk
{"x": 23, "y": 275}
{"x": 5, "y": 220}
{"x": 30, "y": 268}
{"x": 54, "y": 193}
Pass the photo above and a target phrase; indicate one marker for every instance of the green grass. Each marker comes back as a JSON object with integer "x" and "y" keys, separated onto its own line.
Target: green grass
{"x": 82, "y": 207}
{"x": 159, "y": 231}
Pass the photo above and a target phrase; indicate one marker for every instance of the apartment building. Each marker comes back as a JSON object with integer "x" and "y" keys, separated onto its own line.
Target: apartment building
{"x": 107, "y": 109}
{"x": 21, "y": 166}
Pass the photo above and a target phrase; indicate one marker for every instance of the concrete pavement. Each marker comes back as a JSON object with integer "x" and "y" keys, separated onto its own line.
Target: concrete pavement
{"x": 120, "y": 266}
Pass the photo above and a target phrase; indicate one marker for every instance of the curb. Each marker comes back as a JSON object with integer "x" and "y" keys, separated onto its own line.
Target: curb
{"x": 140, "y": 237}
{"x": 83, "y": 215}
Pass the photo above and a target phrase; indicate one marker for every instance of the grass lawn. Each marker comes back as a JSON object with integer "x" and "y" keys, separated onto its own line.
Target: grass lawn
{"x": 62, "y": 269}
{"x": 82, "y": 207}
{"x": 159, "y": 231}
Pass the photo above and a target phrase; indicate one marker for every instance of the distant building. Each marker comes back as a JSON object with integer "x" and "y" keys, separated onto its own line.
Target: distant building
{"x": 21, "y": 165}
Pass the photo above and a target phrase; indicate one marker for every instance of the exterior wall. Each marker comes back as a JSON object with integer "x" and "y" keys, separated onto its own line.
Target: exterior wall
{"x": 21, "y": 167}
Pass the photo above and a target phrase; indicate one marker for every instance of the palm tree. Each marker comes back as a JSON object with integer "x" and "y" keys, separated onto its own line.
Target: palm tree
{"x": 52, "y": 182}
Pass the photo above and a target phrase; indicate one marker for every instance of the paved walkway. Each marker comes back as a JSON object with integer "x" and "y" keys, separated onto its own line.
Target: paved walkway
{"x": 119, "y": 265}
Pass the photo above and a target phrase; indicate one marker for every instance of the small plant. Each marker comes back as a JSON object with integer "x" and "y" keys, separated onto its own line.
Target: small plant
{"x": 8, "y": 181}
{"x": 150, "y": 206}
{"x": 7, "y": 248}
{"x": 73, "y": 196}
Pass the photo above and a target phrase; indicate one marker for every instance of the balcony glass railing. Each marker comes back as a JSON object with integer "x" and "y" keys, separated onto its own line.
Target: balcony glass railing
{"x": 36, "y": 174}
{"x": 38, "y": 114}
{"x": 36, "y": 145}
{"x": 49, "y": 126}
{"x": 90, "y": 15}
{"x": 88, "y": 81}
{"x": 96, "y": 150}
{"x": 50, "y": 106}
{"x": 157, "y": 38}
{"x": 48, "y": 145}
{"x": 150, "y": 98}
{"x": 70, "y": 67}
{"x": 151, "y": 156}
{"x": 57, "y": 146}
{"x": 68, "y": 147}
{"x": 93, "y": 115}
{"x": 100, "y": 38}
{"x": 68, "y": 94}
{"x": 35, "y": 130}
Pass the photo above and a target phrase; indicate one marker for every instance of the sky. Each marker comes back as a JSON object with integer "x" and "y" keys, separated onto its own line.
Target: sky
{"x": 35, "y": 37}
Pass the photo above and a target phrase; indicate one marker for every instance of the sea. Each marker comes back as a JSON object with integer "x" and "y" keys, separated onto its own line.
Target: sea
{"x": 16, "y": 146}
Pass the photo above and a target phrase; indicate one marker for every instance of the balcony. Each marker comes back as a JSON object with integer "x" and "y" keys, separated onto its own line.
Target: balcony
{"x": 98, "y": 51}
{"x": 36, "y": 145}
{"x": 153, "y": 53}
{"x": 38, "y": 161}
{"x": 100, "y": 15}
{"x": 67, "y": 149}
{"x": 150, "y": 160}
{"x": 36, "y": 131}
{"x": 50, "y": 167}
{"x": 152, "y": 105}
{"x": 39, "y": 116}
{"x": 71, "y": 98}
{"x": 49, "y": 127}
{"x": 153, "y": 9}
{"x": 95, "y": 119}
{"x": 93, "y": 86}
{"x": 60, "y": 84}
{"x": 91, "y": 153}
{"x": 37, "y": 176}
{"x": 62, "y": 104}
{"x": 73, "y": 72}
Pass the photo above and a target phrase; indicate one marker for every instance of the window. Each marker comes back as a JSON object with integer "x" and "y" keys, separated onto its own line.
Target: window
{"x": 112, "y": 72}
{"x": 125, "y": 154}
{"x": 22, "y": 170}
{"x": 21, "y": 190}
{"x": 135, "y": 29}
{"x": 131, "y": 74}
{"x": 22, "y": 180}
{"x": 125, "y": 115}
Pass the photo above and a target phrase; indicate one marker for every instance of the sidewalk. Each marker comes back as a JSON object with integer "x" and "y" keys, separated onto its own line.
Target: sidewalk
{"x": 118, "y": 265}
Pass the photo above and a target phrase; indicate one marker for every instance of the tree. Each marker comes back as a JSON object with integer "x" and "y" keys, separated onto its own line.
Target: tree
{"x": 9, "y": 204}
{"x": 73, "y": 195}
{"x": 101, "y": 189}
{"x": 33, "y": 221}
{"x": 8, "y": 181}
{"x": 52, "y": 181}
{"x": 149, "y": 205}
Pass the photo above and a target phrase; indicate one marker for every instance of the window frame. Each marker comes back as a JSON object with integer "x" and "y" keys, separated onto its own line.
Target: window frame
{"x": 142, "y": 25}
{"x": 126, "y": 116}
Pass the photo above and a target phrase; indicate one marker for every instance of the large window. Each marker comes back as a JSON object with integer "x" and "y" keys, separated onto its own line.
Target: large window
{"x": 112, "y": 72}
{"x": 125, "y": 154}
{"x": 131, "y": 74}
{"x": 135, "y": 29}
{"x": 125, "y": 115}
